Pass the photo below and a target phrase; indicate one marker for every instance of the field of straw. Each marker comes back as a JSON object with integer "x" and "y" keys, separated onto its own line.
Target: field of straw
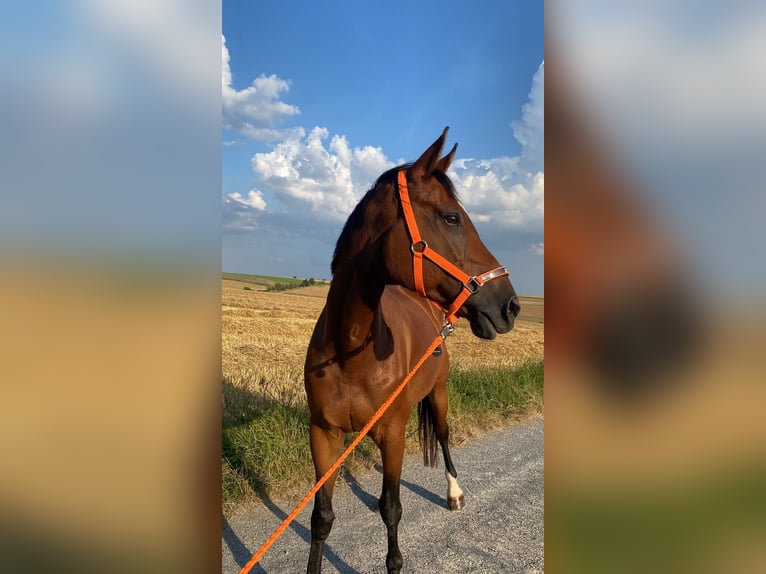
{"x": 265, "y": 336}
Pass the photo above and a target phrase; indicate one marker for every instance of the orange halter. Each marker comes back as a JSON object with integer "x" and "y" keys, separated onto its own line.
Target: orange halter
{"x": 420, "y": 249}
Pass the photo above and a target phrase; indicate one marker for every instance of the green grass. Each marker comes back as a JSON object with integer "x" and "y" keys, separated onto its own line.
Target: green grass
{"x": 267, "y": 281}
{"x": 497, "y": 391}
{"x": 265, "y": 442}
{"x": 265, "y": 452}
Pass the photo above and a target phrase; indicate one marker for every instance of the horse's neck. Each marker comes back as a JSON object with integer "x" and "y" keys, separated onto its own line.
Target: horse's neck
{"x": 353, "y": 312}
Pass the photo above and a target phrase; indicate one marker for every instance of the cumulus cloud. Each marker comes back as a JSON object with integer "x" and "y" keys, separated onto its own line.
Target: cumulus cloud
{"x": 494, "y": 192}
{"x": 326, "y": 181}
{"x": 242, "y": 214}
{"x": 254, "y": 111}
{"x": 254, "y": 199}
{"x": 530, "y": 130}
{"x": 509, "y": 191}
{"x": 318, "y": 177}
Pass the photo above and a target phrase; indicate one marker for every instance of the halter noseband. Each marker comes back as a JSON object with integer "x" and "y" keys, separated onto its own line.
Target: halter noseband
{"x": 420, "y": 249}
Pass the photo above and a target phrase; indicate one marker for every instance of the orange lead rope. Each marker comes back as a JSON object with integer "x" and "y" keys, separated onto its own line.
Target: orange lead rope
{"x": 362, "y": 433}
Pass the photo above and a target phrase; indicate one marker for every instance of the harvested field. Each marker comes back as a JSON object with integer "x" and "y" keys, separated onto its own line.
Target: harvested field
{"x": 272, "y": 330}
{"x": 265, "y": 336}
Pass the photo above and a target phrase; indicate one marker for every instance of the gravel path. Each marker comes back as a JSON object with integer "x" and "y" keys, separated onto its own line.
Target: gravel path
{"x": 500, "y": 530}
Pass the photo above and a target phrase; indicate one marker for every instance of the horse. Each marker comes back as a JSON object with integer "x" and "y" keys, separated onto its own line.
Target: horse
{"x": 407, "y": 262}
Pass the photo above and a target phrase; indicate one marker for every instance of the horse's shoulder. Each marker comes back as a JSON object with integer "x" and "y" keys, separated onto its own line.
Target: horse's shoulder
{"x": 403, "y": 297}
{"x": 404, "y": 302}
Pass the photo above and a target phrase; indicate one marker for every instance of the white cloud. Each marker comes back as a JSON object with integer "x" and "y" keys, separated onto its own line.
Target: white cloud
{"x": 326, "y": 182}
{"x": 510, "y": 191}
{"x": 255, "y": 110}
{"x": 319, "y": 178}
{"x": 243, "y": 214}
{"x": 493, "y": 194}
{"x": 530, "y": 131}
{"x": 537, "y": 248}
{"x": 254, "y": 199}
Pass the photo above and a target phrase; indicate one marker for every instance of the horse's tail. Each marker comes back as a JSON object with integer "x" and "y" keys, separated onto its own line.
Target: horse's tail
{"x": 427, "y": 432}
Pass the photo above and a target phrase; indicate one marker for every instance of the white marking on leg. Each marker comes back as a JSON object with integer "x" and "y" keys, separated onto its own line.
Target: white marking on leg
{"x": 455, "y": 499}
{"x": 453, "y": 488}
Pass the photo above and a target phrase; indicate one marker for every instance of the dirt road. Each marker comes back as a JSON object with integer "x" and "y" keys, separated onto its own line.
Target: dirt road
{"x": 500, "y": 530}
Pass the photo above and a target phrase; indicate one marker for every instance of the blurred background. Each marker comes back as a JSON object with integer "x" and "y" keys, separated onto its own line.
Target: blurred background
{"x": 110, "y": 140}
{"x": 654, "y": 287}
{"x": 110, "y": 286}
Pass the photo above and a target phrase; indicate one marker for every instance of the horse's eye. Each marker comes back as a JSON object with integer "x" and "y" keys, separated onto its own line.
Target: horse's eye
{"x": 451, "y": 219}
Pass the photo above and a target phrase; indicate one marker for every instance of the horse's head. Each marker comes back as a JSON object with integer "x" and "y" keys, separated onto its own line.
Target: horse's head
{"x": 455, "y": 263}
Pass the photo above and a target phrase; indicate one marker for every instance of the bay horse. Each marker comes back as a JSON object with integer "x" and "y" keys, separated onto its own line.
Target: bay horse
{"x": 389, "y": 289}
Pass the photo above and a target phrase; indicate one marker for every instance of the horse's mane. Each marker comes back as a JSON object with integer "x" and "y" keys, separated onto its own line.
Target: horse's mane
{"x": 357, "y": 218}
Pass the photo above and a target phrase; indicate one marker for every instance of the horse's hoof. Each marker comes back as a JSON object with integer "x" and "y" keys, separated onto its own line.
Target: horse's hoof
{"x": 456, "y": 503}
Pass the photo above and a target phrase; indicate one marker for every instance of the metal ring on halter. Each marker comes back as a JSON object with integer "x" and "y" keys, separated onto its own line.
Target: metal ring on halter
{"x": 472, "y": 284}
{"x": 418, "y": 243}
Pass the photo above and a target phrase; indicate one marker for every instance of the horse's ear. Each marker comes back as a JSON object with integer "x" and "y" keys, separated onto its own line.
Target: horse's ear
{"x": 426, "y": 163}
{"x": 443, "y": 164}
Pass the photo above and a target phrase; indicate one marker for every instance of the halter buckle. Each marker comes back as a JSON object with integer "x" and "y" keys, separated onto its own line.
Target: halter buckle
{"x": 421, "y": 246}
{"x": 446, "y": 330}
{"x": 472, "y": 285}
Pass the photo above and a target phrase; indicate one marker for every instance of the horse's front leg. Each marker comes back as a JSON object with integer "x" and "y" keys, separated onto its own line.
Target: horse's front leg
{"x": 325, "y": 449}
{"x": 392, "y": 452}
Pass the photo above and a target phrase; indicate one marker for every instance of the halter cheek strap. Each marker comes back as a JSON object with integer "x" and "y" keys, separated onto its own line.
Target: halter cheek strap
{"x": 420, "y": 249}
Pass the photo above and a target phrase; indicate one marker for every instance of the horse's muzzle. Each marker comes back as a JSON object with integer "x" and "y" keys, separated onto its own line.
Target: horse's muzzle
{"x": 489, "y": 318}
{"x": 512, "y": 309}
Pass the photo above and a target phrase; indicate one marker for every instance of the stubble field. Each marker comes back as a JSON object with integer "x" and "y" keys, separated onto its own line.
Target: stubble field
{"x": 265, "y": 420}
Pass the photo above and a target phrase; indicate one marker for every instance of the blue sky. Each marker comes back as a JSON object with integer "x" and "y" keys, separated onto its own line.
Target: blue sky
{"x": 319, "y": 100}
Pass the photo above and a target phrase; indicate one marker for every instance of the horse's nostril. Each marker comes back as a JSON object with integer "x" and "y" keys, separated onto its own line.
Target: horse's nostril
{"x": 514, "y": 306}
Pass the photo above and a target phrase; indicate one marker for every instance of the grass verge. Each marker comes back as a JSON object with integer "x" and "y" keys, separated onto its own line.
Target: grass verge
{"x": 265, "y": 437}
